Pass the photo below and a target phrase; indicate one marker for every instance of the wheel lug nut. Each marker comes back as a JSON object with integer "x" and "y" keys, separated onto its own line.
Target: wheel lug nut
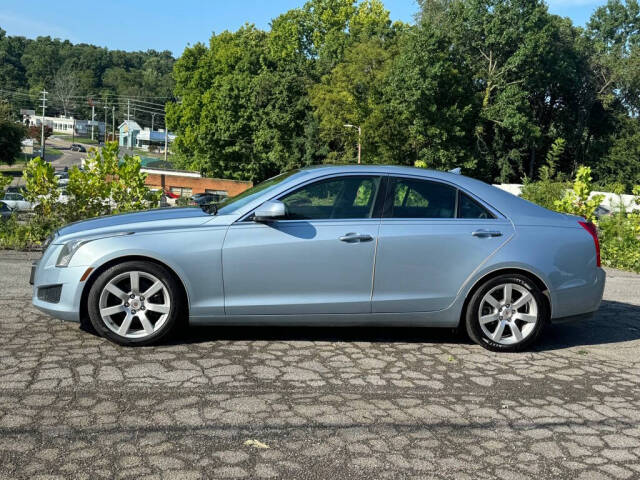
{"x": 133, "y": 312}
{"x": 142, "y": 299}
{"x": 126, "y": 304}
{"x": 142, "y": 307}
{"x": 132, "y": 296}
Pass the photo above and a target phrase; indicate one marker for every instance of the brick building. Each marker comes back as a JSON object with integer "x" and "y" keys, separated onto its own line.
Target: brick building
{"x": 186, "y": 184}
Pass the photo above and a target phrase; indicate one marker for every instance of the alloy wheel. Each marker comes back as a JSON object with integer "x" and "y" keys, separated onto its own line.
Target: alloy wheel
{"x": 134, "y": 304}
{"x": 508, "y": 314}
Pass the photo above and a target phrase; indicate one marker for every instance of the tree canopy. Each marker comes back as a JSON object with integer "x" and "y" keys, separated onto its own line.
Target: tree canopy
{"x": 486, "y": 85}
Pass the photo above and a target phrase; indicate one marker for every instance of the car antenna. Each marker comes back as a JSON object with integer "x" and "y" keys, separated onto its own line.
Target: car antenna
{"x": 456, "y": 171}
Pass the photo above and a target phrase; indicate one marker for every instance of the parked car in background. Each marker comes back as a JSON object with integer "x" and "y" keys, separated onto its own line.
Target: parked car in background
{"x": 76, "y": 147}
{"x": 200, "y": 199}
{"x": 15, "y": 189}
{"x": 5, "y": 211}
{"x": 16, "y": 201}
{"x": 62, "y": 178}
{"x": 351, "y": 245}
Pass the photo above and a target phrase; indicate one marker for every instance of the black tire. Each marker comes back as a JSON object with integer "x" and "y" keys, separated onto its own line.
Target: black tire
{"x": 472, "y": 320}
{"x": 176, "y": 302}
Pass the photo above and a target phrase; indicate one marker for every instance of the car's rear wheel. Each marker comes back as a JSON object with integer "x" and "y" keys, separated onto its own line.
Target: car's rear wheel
{"x": 506, "y": 313}
{"x": 134, "y": 303}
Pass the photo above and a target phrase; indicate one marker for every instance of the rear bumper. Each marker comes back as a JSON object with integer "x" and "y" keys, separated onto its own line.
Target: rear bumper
{"x": 573, "y": 318}
{"x": 579, "y": 301}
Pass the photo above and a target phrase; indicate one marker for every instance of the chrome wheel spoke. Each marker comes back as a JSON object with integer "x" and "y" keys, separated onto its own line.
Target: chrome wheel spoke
{"x": 156, "y": 307}
{"x": 153, "y": 289}
{"x": 515, "y": 331}
{"x": 111, "y": 288}
{"x": 492, "y": 317}
{"x": 508, "y": 293}
{"x": 490, "y": 299}
{"x": 525, "y": 317}
{"x": 146, "y": 324}
{"x": 126, "y": 323}
{"x": 497, "y": 334}
{"x": 112, "y": 310}
{"x": 523, "y": 300}
{"x": 135, "y": 282}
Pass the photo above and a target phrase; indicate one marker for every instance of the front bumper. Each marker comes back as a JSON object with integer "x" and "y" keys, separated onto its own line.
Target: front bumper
{"x": 44, "y": 273}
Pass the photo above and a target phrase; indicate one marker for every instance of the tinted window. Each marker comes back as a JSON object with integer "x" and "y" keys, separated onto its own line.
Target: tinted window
{"x": 410, "y": 198}
{"x": 342, "y": 197}
{"x": 469, "y": 208}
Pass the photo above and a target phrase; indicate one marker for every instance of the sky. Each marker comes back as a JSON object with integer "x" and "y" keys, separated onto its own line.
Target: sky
{"x": 172, "y": 25}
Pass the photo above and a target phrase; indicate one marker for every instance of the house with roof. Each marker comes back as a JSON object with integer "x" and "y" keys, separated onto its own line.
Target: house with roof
{"x": 132, "y": 135}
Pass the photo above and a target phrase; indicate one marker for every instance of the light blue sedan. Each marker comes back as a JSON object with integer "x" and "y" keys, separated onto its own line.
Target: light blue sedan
{"x": 330, "y": 246}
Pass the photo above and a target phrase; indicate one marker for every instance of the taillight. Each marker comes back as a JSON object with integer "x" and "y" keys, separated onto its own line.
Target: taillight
{"x": 591, "y": 228}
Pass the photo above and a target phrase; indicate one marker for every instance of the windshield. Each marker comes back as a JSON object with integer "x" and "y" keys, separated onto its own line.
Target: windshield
{"x": 230, "y": 205}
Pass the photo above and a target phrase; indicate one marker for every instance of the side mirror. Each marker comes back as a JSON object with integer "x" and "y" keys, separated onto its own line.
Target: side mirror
{"x": 270, "y": 211}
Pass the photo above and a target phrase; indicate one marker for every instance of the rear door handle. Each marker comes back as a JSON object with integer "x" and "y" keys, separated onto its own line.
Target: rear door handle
{"x": 355, "y": 237}
{"x": 486, "y": 233}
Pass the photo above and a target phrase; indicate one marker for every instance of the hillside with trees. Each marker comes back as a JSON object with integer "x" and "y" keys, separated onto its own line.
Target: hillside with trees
{"x": 77, "y": 74}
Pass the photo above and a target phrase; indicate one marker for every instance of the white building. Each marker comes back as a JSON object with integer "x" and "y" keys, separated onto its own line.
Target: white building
{"x": 64, "y": 124}
{"x": 133, "y": 135}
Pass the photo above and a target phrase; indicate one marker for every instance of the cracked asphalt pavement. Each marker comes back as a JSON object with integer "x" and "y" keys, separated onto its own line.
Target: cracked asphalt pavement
{"x": 315, "y": 403}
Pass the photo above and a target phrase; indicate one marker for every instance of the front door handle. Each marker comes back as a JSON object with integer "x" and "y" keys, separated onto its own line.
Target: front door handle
{"x": 355, "y": 237}
{"x": 486, "y": 233}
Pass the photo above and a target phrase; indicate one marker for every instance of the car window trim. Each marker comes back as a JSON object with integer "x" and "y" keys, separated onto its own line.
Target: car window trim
{"x": 494, "y": 211}
{"x": 248, "y": 217}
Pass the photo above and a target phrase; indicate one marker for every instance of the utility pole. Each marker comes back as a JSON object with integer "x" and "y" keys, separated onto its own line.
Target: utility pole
{"x": 105, "y": 124}
{"x": 44, "y": 104}
{"x": 113, "y": 122}
{"x": 359, "y": 135}
{"x": 128, "y": 105}
{"x": 73, "y": 131}
{"x": 166, "y": 137}
{"x": 153, "y": 116}
{"x": 93, "y": 118}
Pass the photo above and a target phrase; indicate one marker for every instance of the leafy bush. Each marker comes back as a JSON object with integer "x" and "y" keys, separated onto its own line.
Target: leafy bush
{"x": 620, "y": 238}
{"x": 552, "y": 186}
{"x": 106, "y": 185}
{"x": 576, "y": 201}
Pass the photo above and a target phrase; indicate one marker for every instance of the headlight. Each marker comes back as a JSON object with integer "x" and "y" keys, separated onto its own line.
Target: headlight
{"x": 67, "y": 252}
{"x": 71, "y": 247}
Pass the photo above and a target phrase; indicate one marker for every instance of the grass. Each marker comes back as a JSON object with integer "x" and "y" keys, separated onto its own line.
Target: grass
{"x": 52, "y": 151}
{"x": 77, "y": 139}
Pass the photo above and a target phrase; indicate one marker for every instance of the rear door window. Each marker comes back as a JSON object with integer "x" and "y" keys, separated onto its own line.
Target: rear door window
{"x": 414, "y": 198}
{"x": 469, "y": 208}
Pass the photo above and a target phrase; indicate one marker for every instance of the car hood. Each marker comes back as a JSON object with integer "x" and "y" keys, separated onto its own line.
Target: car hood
{"x": 158, "y": 219}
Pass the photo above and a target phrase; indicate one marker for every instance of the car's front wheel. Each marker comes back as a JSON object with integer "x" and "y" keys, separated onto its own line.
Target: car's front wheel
{"x": 134, "y": 303}
{"x": 506, "y": 313}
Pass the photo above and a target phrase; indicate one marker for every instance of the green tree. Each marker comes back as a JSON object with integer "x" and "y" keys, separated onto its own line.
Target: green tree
{"x": 11, "y": 135}
{"x": 429, "y": 103}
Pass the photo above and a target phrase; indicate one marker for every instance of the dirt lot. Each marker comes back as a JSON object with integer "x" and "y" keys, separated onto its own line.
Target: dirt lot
{"x": 328, "y": 403}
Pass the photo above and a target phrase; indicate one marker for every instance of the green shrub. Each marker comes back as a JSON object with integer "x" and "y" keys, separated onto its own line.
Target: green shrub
{"x": 619, "y": 236}
{"x": 552, "y": 186}
{"x": 107, "y": 185}
{"x": 576, "y": 201}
